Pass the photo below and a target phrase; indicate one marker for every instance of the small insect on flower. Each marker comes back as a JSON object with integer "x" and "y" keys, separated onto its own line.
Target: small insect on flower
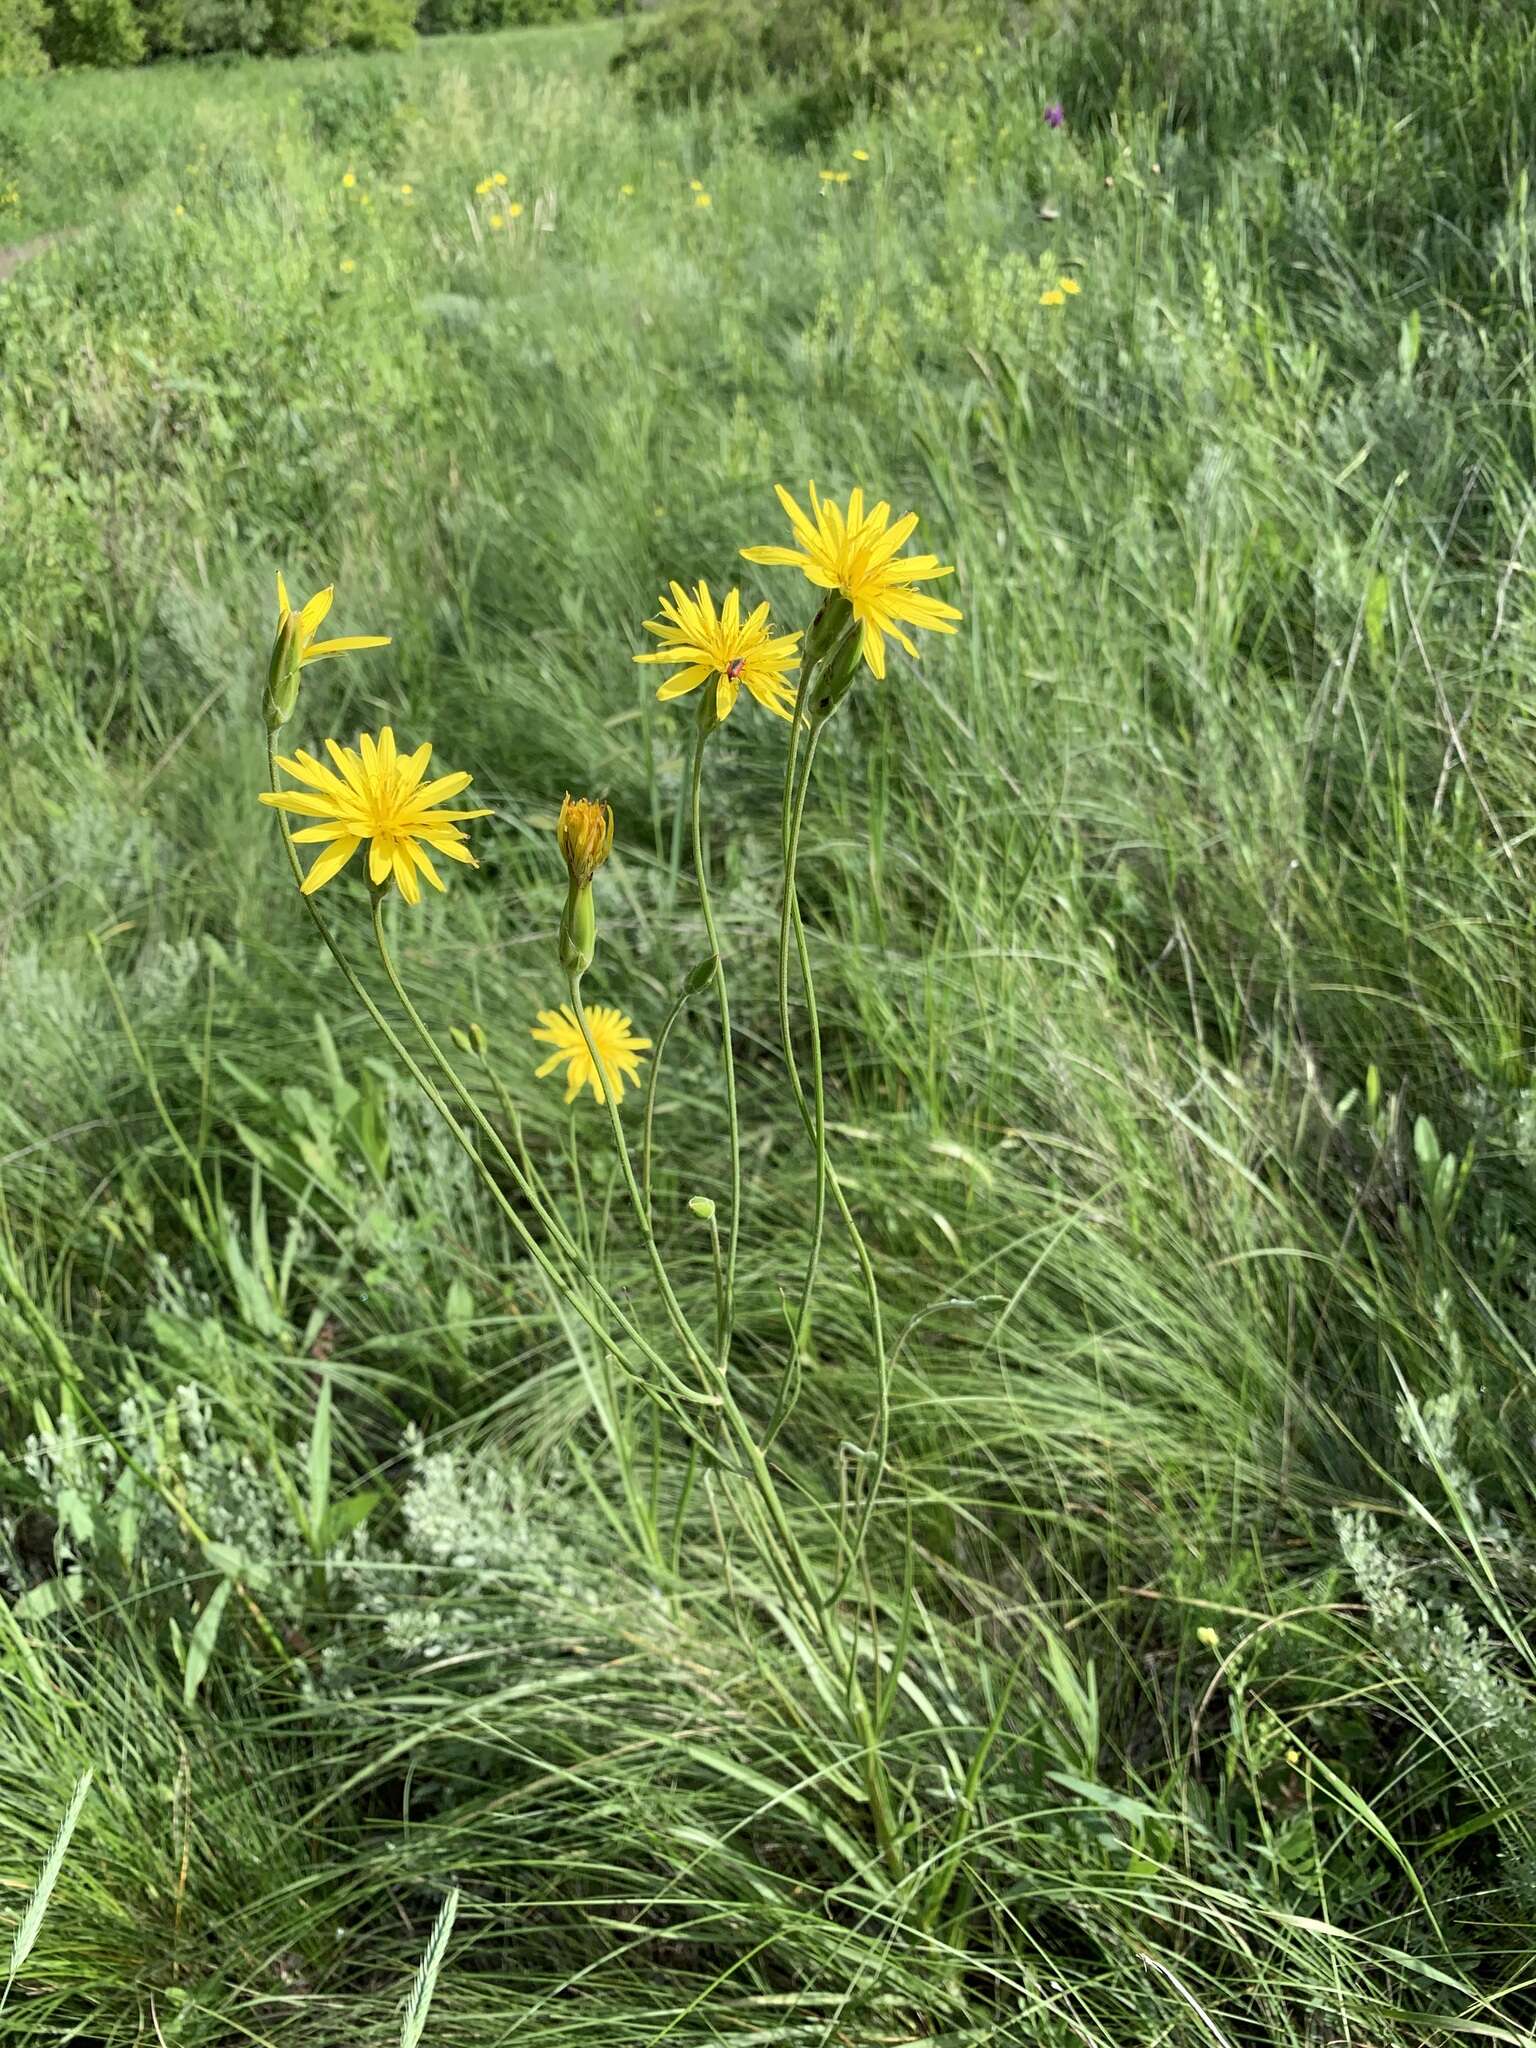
{"x": 376, "y": 794}
{"x": 613, "y": 1035}
{"x": 733, "y": 651}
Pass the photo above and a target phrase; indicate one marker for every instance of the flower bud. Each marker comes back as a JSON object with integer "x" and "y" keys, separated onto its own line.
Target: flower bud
{"x": 578, "y": 929}
{"x": 827, "y": 629}
{"x": 282, "y": 691}
{"x": 837, "y": 678}
{"x": 702, "y": 1207}
{"x": 585, "y": 836}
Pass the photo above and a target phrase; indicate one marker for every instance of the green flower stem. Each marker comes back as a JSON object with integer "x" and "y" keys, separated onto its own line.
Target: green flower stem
{"x": 795, "y": 793}
{"x": 646, "y": 1155}
{"x": 670, "y": 1302}
{"x": 679, "y": 1388}
{"x": 726, "y": 1317}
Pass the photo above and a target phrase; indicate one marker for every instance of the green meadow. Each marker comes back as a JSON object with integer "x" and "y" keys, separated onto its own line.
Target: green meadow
{"x": 401, "y": 1660}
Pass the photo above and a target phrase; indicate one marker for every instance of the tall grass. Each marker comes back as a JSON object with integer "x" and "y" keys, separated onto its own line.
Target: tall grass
{"x": 1172, "y": 933}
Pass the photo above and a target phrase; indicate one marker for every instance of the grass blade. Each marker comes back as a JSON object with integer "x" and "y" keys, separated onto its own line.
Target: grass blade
{"x": 37, "y": 1905}
{"x": 419, "y": 2003}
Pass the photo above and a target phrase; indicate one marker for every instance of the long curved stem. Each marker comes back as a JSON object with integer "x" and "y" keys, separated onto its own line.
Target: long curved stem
{"x": 725, "y": 1320}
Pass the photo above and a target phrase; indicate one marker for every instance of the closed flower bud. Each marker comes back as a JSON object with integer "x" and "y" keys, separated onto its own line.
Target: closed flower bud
{"x": 282, "y": 691}
{"x": 578, "y": 929}
{"x": 827, "y": 629}
{"x": 702, "y": 1207}
{"x": 837, "y": 678}
{"x": 585, "y": 835}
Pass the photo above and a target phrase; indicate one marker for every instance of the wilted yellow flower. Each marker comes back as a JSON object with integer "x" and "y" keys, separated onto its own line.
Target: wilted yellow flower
{"x": 584, "y": 834}
{"x": 1069, "y": 285}
{"x": 378, "y": 795}
{"x": 1053, "y": 298}
{"x": 740, "y": 652}
{"x": 618, "y": 1050}
{"x": 855, "y": 552}
{"x": 348, "y": 180}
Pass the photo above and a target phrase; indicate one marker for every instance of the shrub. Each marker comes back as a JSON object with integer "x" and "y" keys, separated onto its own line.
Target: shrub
{"x": 226, "y": 25}
{"x": 102, "y": 32}
{"x": 22, "y": 23}
{"x": 836, "y": 55}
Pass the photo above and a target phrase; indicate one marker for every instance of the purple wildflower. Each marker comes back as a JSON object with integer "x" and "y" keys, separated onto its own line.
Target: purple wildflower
{"x": 1055, "y": 114}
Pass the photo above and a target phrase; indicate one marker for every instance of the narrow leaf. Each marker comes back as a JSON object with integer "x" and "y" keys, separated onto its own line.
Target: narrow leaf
{"x": 204, "y": 1636}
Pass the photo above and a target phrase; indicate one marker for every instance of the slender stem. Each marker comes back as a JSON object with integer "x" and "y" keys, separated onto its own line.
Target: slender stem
{"x": 726, "y": 1318}
{"x": 673, "y": 1306}
{"x": 646, "y": 1157}
{"x": 795, "y": 795}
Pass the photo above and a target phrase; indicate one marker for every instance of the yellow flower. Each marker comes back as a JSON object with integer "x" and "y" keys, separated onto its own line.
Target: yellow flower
{"x": 347, "y": 266}
{"x": 379, "y": 796}
{"x": 483, "y": 187}
{"x": 737, "y": 651}
{"x": 584, "y": 834}
{"x": 861, "y": 156}
{"x": 180, "y": 213}
{"x": 311, "y": 618}
{"x": 496, "y": 221}
{"x": 348, "y": 180}
{"x": 1208, "y": 1637}
{"x": 695, "y": 184}
{"x": 1053, "y": 298}
{"x": 702, "y": 199}
{"x": 406, "y": 191}
{"x": 498, "y": 177}
{"x": 855, "y": 552}
{"x": 618, "y": 1050}
{"x": 626, "y": 191}
{"x": 1069, "y": 285}
{"x": 515, "y": 210}
{"x": 827, "y": 177}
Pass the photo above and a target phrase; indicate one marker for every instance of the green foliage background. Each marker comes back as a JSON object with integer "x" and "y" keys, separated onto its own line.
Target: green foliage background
{"x": 1174, "y": 936}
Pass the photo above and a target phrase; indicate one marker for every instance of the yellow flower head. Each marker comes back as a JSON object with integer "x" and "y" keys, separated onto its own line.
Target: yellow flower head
{"x": 348, "y": 180}
{"x": 515, "y": 210}
{"x": 406, "y": 191}
{"x": 861, "y": 156}
{"x": 584, "y": 834}
{"x": 312, "y": 617}
{"x": 702, "y": 199}
{"x": 496, "y": 221}
{"x": 1053, "y": 297}
{"x": 626, "y": 191}
{"x": 855, "y": 552}
{"x": 378, "y": 795}
{"x": 498, "y": 177}
{"x": 1208, "y": 1637}
{"x": 347, "y": 266}
{"x": 737, "y": 651}
{"x": 483, "y": 187}
{"x": 1069, "y": 285}
{"x": 618, "y": 1050}
{"x": 695, "y": 184}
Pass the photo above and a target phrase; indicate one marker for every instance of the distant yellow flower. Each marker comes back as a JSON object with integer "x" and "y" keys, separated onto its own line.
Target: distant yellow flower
{"x": 855, "y": 552}
{"x": 702, "y": 199}
{"x": 861, "y": 156}
{"x": 626, "y": 191}
{"x": 379, "y": 796}
{"x": 498, "y": 177}
{"x": 515, "y": 210}
{"x": 496, "y": 221}
{"x": 826, "y": 177}
{"x": 618, "y": 1050}
{"x": 584, "y": 834}
{"x": 1069, "y": 285}
{"x": 1053, "y": 298}
{"x": 485, "y": 185}
{"x": 180, "y": 213}
{"x": 739, "y": 652}
{"x": 406, "y": 191}
{"x": 695, "y": 184}
{"x": 348, "y": 180}
{"x": 347, "y": 266}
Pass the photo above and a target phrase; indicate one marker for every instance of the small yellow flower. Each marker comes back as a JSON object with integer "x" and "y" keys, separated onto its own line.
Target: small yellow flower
{"x": 515, "y": 210}
{"x": 1293, "y": 1757}
{"x": 498, "y": 177}
{"x": 855, "y": 552}
{"x": 347, "y": 266}
{"x": 406, "y": 191}
{"x": 179, "y": 213}
{"x": 618, "y": 1050}
{"x": 496, "y": 221}
{"x": 1208, "y": 1637}
{"x": 1069, "y": 285}
{"x": 348, "y": 180}
{"x": 311, "y": 617}
{"x": 826, "y": 177}
{"x": 378, "y": 795}
{"x": 1053, "y": 298}
{"x": 626, "y": 191}
{"x": 584, "y": 834}
{"x": 739, "y": 652}
{"x": 861, "y": 156}
{"x": 695, "y": 184}
{"x": 483, "y": 187}
{"x": 702, "y": 199}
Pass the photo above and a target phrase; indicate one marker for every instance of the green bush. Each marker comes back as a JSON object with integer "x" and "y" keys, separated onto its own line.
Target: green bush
{"x": 102, "y": 32}
{"x": 22, "y": 23}
{"x": 226, "y": 25}
{"x": 446, "y": 17}
{"x": 835, "y": 55}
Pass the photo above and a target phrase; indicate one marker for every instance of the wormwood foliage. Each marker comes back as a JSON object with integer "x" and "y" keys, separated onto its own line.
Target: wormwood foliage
{"x": 404, "y": 1496}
